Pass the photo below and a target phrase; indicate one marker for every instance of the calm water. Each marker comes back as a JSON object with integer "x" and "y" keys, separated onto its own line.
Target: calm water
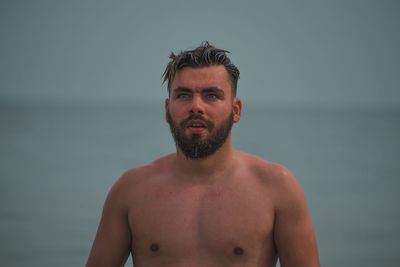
{"x": 58, "y": 163}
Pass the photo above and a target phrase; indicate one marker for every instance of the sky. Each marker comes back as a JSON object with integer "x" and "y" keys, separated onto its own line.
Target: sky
{"x": 342, "y": 53}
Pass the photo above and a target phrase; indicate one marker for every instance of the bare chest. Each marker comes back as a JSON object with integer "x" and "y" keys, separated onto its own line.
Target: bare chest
{"x": 232, "y": 224}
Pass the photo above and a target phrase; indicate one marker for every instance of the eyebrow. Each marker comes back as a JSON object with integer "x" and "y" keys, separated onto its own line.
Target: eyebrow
{"x": 180, "y": 89}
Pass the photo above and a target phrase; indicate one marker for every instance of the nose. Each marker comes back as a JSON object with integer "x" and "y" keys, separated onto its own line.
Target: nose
{"x": 197, "y": 105}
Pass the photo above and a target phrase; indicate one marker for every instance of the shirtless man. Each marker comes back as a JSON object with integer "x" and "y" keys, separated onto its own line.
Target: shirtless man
{"x": 207, "y": 204}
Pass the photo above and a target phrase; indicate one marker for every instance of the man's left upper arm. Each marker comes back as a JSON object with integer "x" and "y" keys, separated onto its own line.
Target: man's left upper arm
{"x": 293, "y": 233}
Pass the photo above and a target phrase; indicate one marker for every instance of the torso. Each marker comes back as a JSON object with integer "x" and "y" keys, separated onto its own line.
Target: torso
{"x": 179, "y": 221}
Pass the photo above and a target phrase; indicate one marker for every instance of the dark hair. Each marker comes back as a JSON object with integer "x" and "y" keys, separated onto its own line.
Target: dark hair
{"x": 203, "y": 56}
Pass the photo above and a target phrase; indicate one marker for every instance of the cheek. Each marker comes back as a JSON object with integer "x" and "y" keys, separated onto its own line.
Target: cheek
{"x": 176, "y": 114}
{"x": 220, "y": 108}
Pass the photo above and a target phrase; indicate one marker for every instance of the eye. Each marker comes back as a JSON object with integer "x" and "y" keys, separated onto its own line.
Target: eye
{"x": 182, "y": 96}
{"x": 212, "y": 96}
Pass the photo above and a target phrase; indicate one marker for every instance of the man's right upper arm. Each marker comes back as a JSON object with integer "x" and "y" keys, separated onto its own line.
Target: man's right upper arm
{"x": 111, "y": 246}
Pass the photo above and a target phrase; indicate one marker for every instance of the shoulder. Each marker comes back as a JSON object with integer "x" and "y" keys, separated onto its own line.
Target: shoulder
{"x": 145, "y": 172}
{"x": 278, "y": 184}
{"x": 276, "y": 178}
{"x": 266, "y": 170}
{"x": 137, "y": 179}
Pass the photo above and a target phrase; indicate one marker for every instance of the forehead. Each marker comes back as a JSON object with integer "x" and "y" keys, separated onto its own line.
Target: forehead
{"x": 200, "y": 78}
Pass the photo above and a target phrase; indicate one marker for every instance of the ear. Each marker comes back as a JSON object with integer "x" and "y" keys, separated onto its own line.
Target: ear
{"x": 237, "y": 109}
{"x": 166, "y": 108}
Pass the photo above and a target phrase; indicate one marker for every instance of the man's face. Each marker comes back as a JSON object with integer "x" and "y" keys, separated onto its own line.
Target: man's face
{"x": 201, "y": 110}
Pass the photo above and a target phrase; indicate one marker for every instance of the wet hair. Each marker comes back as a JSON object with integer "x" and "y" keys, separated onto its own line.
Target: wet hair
{"x": 203, "y": 56}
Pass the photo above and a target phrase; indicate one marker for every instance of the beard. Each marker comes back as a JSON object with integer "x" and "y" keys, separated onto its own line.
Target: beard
{"x": 194, "y": 147}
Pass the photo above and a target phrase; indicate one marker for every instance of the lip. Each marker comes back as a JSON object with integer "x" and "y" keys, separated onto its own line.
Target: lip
{"x": 196, "y": 130}
{"x": 191, "y": 122}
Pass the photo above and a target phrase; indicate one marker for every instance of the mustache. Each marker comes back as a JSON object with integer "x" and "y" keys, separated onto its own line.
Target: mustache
{"x": 209, "y": 124}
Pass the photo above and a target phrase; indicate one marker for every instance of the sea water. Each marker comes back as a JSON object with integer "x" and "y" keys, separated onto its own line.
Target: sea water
{"x": 59, "y": 161}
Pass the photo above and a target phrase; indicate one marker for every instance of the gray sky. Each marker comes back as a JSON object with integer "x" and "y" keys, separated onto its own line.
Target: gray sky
{"x": 338, "y": 53}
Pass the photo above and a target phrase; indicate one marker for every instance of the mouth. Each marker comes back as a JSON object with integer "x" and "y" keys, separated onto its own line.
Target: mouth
{"x": 196, "y": 126}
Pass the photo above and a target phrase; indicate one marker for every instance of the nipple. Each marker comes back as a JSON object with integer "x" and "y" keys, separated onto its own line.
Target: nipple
{"x": 238, "y": 251}
{"x": 154, "y": 247}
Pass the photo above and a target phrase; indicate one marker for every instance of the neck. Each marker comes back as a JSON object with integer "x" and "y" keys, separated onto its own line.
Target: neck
{"x": 208, "y": 166}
